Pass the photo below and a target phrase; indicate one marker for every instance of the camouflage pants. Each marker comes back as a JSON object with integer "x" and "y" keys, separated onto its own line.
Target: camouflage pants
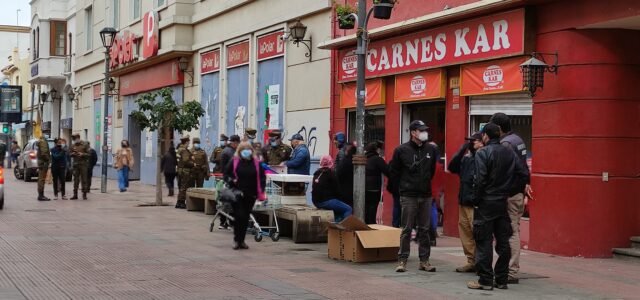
{"x": 199, "y": 178}
{"x": 80, "y": 174}
{"x": 42, "y": 176}
{"x": 185, "y": 181}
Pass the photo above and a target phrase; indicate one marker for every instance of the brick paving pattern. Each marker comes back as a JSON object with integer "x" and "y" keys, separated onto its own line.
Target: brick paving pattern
{"x": 109, "y": 248}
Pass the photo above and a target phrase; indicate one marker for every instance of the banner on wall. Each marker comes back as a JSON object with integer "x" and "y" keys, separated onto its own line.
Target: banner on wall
{"x": 422, "y": 85}
{"x": 498, "y": 76}
{"x": 494, "y": 36}
{"x": 273, "y": 106}
{"x": 374, "y": 94}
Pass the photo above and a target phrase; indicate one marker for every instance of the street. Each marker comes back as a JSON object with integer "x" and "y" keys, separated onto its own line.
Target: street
{"x": 111, "y": 248}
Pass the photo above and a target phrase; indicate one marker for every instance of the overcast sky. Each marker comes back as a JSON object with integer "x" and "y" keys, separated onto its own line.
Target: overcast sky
{"x": 8, "y": 12}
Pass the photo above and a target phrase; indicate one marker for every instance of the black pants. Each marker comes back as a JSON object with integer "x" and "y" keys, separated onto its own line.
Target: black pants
{"x": 89, "y": 177}
{"x": 241, "y": 211}
{"x": 483, "y": 233}
{"x": 169, "y": 180}
{"x": 59, "y": 175}
{"x": 371, "y": 201}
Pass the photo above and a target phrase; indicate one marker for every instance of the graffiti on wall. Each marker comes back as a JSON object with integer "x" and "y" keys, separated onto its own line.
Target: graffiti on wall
{"x": 310, "y": 138}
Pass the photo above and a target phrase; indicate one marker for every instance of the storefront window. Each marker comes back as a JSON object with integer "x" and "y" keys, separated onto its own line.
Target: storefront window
{"x": 373, "y": 126}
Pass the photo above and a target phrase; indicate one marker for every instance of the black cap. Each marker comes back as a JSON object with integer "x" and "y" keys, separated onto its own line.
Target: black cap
{"x": 475, "y": 136}
{"x": 418, "y": 125}
{"x": 275, "y": 134}
{"x": 297, "y": 137}
{"x": 234, "y": 138}
{"x": 224, "y": 137}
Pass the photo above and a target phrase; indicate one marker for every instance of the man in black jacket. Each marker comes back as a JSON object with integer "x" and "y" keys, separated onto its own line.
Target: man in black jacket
{"x": 519, "y": 188}
{"x": 93, "y": 161}
{"x": 463, "y": 164}
{"x": 496, "y": 170}
{"x": 413, "y": 164}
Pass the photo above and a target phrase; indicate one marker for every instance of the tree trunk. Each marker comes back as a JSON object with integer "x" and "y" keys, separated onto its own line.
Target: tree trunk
{"x": 160, "y": 137}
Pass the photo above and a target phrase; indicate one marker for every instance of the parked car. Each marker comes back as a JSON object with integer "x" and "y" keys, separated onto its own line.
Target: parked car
{"x": 1, "y": 187}
{"x": 27, "y": 166}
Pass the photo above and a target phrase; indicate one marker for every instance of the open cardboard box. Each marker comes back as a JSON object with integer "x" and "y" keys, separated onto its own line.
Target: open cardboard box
{"x": 353, "y": 240}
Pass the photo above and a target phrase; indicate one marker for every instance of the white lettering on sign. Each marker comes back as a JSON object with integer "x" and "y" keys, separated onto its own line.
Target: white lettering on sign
{"x": 418, "y": 85}
{"x": 484, "y": 38}
{"x": 493, "y": 76}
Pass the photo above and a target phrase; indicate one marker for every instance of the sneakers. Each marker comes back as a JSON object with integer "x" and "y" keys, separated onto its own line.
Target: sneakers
{"x": 502, "y": 286}
{"x": 513, "y": 280}
{"x": 468, "y": 268}
{"x": 475, "y": 285}
{"x": 244, "y": 245}
{"x": 64, "y": 197}
{"x": 426, "y": 266}
{"x": 223, "y": 227}
{"x": 402, "y": 266}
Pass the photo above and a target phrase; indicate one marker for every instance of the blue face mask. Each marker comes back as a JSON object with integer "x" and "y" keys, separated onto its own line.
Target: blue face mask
{"x": 246, "y": 153}
{"x": 196, "y": 146}
{"x": 274, "y": 144}
{"x": 223, "y": 143}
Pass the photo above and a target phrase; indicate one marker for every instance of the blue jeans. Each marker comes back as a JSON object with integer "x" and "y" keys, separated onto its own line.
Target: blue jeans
{"x": 340, "y": 209}
{"x": 123, "y": 178}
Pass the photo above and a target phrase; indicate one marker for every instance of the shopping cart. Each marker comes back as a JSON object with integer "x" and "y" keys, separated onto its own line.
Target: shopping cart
{"x": 270, "y": 206}
{"x": 273, "y": 203}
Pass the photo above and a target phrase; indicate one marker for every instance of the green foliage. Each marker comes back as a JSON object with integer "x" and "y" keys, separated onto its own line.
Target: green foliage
{"x": 344, "y": 10}
{"x": 158, "y": 110}
{"x": 387, "y": 1}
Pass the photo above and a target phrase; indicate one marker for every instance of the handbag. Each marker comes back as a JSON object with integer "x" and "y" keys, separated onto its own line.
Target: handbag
{"x": 230, "y": 195}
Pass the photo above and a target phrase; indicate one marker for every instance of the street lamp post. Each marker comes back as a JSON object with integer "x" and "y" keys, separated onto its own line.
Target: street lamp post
{"x": 108, "y": 35}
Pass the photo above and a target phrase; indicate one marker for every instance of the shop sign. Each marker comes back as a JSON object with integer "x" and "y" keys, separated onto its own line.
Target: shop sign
{"x": 97, "y": 91}
{"x": 270, "y": 45}
{"x": 122, "y": 51}
{"x": 374, "y": 94}
{"x": 11, "y": 103}
{"x": 66, "y": 123}
{"x": 422, "y": 85}
{"x": 46, "y": 126}
{"x": 238, "y": 54}
{"x": 164, "y": 74}
{"x": 210, "y": 61}
{"x": 150, "y": 32}
{"x": 498, "y": 76}
{"x": 489, "y": 37}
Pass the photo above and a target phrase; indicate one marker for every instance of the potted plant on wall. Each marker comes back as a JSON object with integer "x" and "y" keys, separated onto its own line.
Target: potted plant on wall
{"x": 382, "y": 8}
{"x": 345, "y": 19}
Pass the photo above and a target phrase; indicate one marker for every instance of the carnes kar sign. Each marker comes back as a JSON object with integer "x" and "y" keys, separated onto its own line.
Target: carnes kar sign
{"x": 494, "y": 36}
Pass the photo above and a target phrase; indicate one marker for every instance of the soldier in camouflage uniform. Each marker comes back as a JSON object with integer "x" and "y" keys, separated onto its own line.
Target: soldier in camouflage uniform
{"x": 200, "y": 164}
{"x": 185, "y": 166}
{"x": 276, "y": 152}
{"x": 44, "y": 160}
{"x": 217, "y": 154}
{"x": 80, "y": 153}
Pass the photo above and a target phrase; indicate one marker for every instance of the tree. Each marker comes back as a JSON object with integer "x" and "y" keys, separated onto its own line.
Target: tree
{"x": 159, "y": 112}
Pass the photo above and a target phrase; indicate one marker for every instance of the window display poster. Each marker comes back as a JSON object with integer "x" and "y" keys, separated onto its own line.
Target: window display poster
{"x": 11, "y": 99}
{"x": 273, "y": 106}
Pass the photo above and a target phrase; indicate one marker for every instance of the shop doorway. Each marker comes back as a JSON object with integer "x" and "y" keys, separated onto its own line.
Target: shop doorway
{"x": 373, "y": 126}
{"x": 431, "y": 113}
{"x": 134, "y": 142}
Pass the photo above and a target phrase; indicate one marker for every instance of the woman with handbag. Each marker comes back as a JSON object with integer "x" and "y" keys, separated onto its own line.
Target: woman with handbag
{"x": 123, "y": 163}
{"x": 245, "y": 174}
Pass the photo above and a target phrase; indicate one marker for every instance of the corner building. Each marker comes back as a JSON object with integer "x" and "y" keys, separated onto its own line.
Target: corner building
{"x": 229, "y": 55}
{"x": 454, "y": 68}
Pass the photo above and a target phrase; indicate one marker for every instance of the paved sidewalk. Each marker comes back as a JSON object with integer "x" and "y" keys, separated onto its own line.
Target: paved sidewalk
{"x": 109, "y": 248}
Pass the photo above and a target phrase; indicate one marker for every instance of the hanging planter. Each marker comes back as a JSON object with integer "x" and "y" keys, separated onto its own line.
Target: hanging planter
{"x": 382, "y": 8}
{"x": 345, "y": 19}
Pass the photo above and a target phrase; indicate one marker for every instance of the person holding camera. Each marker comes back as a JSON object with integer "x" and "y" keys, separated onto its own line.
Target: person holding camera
{"x": 413, "y": 164}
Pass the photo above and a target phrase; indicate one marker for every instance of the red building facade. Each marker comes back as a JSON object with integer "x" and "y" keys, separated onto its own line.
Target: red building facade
{"x": 454, "y": 68}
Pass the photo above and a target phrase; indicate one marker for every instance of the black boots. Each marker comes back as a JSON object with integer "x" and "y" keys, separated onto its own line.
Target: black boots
{"x": 41, "y": 197}
{"x": 170, "y": 192}
{"x": 75, "y": 195}
{"x": 181, "y": 204}
{"x": 84, "y": 196}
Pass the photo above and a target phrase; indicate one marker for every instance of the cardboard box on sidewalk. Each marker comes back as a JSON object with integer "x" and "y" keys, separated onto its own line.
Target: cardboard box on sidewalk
{"x": 352, "y": 240}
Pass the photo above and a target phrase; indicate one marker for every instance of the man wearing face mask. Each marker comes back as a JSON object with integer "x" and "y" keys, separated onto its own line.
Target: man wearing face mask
{"x": 249, "y": 135}
{"x": 300, "y": 162}
{"x": 80, "y": 154}
{"x": 185, "y": 166}
{"x": 217, "y": 154}
{"x": 413, "y": 164}
{"x": 277, "y": 152}
{"x": 201, "y": 166}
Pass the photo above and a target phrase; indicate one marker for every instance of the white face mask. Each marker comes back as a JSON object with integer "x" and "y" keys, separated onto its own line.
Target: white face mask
{"x": 423, "y": 136}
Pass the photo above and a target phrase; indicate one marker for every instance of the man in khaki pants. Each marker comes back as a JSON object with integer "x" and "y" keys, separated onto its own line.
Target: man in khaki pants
{"x": 516, "y": 195}
{"x": 463, "y": 164}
